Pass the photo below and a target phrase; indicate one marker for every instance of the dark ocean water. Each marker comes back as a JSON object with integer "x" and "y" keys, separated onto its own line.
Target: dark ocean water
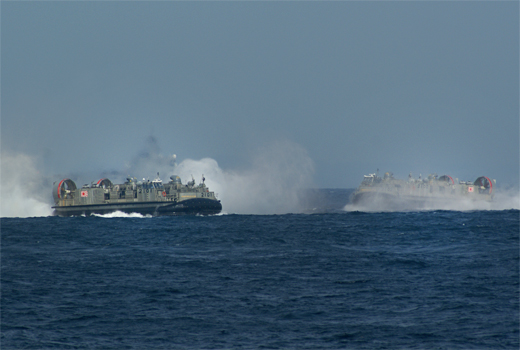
{"x": 402, "y": 280}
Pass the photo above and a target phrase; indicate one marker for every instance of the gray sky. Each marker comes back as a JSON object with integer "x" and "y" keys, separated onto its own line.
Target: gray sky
{"x": 400, "y": 86}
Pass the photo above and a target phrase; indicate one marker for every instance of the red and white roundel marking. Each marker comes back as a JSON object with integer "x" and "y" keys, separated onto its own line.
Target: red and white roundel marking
{"x": 470, "y": 189}
{"x": 84, "y": 193}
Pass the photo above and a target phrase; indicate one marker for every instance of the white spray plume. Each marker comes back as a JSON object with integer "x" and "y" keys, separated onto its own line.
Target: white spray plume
{"x": 24, "y": 192}
{"x": 273, "y": 185}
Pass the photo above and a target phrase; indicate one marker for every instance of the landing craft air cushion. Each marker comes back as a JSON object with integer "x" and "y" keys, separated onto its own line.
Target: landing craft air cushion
{"x": 420, "y": 193}
{"x": 143, "y": 197}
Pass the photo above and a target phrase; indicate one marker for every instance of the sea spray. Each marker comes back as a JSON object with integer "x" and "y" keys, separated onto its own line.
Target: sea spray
{"x": 24, "y": 191}
{"x": 274, "y": 183}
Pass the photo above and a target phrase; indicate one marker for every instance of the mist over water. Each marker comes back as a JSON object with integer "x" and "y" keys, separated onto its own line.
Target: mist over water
{"x": 24, "y": 191}
{"x": 274, "y": 184}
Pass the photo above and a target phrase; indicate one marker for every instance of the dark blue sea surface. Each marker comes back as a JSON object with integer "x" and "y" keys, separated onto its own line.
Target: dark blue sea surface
{"x": 402, "y": 280}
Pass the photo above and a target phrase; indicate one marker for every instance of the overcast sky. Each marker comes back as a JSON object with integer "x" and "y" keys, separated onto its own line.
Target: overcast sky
{"x": 403, "y": 86}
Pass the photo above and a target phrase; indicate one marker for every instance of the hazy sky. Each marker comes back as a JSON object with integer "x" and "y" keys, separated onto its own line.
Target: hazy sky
{"x": 400, "y": 86}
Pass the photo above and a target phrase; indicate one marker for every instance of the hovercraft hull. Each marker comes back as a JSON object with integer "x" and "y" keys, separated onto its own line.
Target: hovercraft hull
{"x": 388, "y": 193}
{"x": 191, "y": 206}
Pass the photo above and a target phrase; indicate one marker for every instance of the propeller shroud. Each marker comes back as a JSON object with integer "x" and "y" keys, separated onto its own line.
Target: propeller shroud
{"x": 63, "y": 189}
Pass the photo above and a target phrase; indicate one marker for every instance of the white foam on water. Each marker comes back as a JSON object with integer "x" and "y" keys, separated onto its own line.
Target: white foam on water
{"x": 120, "y": 214}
